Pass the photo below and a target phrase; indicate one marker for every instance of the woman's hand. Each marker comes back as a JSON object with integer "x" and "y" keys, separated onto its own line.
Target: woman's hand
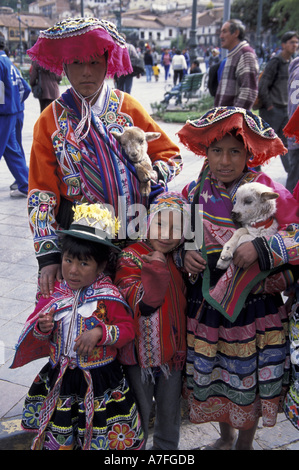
{"x": 48, "y": 276}
{"x": 245, "y": 255}
{"x": 86, "y": 342}
{"x": 194, "y": 262}
{"x": 46, "y": 321}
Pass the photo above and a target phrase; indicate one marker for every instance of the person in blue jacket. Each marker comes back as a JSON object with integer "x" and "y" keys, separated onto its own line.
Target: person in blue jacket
{"x": 13, "y": 92}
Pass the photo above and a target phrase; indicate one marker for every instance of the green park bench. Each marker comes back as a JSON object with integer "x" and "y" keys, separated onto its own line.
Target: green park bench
{"x": 188, "y": 88}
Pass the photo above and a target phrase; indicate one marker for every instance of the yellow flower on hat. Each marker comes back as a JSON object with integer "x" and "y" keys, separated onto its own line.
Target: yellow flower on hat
{"x": 98, "y": 216}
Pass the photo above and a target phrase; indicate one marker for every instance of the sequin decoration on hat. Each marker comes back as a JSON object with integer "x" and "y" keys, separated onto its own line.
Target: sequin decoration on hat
{"x": 94, "y": 222}
{"x": 258, "y": 137}
{"x": 81, "y": 39}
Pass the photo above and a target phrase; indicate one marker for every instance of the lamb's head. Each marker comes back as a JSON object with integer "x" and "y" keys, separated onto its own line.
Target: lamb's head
{"x": 254, "y": 202}
{"x": 134, "y": 141}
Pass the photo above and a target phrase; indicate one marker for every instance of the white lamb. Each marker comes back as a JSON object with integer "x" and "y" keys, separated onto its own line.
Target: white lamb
{"x": 254, "y": 210}
{"x": 134, "y": 141}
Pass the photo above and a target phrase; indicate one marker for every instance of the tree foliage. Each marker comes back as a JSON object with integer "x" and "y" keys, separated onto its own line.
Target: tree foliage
{"x": 286, "y": 13}
{"x": 278, "y": 16}
{"x": 14, "y": 4}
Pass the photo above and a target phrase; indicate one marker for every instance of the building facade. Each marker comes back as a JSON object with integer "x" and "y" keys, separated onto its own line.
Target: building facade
{"x": 158, "y": 26}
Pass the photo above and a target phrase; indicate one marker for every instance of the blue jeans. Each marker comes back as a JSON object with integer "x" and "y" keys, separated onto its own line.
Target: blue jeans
{"x": 166, "y": 69}
{"x": 148, "y": 72}
{"x": 293, "y": 175}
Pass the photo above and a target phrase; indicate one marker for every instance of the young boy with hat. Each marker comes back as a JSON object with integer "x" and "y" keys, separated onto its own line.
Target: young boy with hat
{"x": 80, "y": 399}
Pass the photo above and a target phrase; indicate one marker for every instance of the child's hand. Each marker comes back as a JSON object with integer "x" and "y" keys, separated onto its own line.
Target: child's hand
{"x": 46, "y": 321}
{"x": 154, "y": 256}
{"x": 245, "y": 255}
{"x": 86, "y": 342}
{"x": 194, "y": 262}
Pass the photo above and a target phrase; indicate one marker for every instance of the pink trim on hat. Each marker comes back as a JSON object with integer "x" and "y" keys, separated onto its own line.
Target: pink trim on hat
{"x": 84, "y": 46}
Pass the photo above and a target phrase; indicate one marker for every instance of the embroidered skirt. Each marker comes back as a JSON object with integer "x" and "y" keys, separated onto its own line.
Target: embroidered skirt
{"x": 237, "y": 372}
{"x": 115, "y": 422}
{"x": 291, "y": 404}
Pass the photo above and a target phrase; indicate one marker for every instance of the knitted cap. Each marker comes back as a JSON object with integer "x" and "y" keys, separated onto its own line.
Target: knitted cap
{"x": 170, "y": 201}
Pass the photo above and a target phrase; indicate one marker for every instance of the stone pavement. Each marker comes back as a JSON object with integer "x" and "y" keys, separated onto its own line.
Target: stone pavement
{"x": 18, "y": 277}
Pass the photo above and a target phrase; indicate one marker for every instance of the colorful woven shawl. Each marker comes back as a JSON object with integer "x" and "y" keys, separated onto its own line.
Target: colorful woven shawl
{"x": 230, "y": 292}
{"x": 161, "y": 336}
{"x": 106, "y": 173}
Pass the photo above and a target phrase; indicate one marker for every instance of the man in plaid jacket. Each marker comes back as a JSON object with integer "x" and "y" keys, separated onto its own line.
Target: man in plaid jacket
{"x": 238, "y": 73}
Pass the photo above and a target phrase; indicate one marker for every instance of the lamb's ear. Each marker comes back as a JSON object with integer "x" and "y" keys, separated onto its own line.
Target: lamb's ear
{"x": 149, "y": 136}
{"x": 266, "y": 196}
{"x": 117, "y": 135}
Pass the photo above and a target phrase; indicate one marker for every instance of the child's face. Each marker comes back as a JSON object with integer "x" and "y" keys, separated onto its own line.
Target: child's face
{"x": 80, "y": 273}
{"x": 227, "y": 158}
{"x": 87, "y": 77}
{"x": 166, "y": 231}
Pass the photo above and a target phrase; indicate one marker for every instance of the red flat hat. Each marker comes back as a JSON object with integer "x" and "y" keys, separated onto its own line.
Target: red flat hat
{"x": 258, "y": 137}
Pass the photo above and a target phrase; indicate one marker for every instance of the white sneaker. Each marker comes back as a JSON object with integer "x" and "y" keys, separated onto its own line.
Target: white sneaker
{"x": 17, "y": 193}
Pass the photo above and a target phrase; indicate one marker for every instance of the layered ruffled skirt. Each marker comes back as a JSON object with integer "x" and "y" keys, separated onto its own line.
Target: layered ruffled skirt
{"x": 291, "y": 404}
{"x": 237, "y": 372}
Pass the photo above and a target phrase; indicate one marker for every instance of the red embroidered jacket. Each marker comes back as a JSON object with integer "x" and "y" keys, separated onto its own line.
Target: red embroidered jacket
{"x": 111, "y": 313}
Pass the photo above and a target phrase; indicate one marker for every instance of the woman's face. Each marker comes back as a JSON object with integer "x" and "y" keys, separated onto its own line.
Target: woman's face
{"x": 87, "y": 77}
{"x": 227, "y": 159}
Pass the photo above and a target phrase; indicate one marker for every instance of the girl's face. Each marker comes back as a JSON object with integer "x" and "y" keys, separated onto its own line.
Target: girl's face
{"x": 166, "y": 231}
{"x": 227, "y": 159}
{"x": 80, "y": 273}
{"x": 87, "y": 77}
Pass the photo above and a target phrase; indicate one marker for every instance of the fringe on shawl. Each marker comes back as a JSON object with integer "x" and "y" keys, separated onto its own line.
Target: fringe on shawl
{"x": 178, "y": 362}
